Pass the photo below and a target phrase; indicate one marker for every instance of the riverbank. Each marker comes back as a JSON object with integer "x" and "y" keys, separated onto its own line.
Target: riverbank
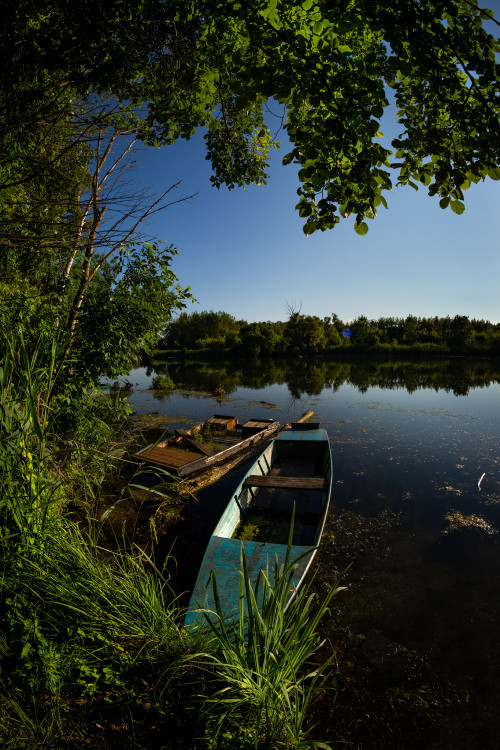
{"x": 339, "y": 353}
{"x": 92, "y": 647}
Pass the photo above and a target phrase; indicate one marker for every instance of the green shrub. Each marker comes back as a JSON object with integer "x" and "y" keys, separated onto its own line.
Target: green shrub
{"x": 162, "y": 383}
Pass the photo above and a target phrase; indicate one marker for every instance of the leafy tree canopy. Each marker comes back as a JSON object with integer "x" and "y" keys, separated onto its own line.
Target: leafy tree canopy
{"x": 334, "y": 65}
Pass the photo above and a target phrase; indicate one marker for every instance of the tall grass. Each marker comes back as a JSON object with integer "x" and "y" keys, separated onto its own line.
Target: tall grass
{"x": 264, "y": 663}
{"x": 27, "y": 489}
{"x": 74, "y": 620}
{"x": 86, "y": 634}
{"x": 91, "y": 638}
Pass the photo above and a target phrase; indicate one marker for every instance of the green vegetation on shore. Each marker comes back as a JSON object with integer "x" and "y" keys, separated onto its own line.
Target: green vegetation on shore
{"x": 310, "y": 335}
{"x": 92, "y": 646}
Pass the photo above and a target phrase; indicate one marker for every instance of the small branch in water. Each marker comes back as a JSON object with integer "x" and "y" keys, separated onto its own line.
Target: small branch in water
{"x": 480, "y": 480}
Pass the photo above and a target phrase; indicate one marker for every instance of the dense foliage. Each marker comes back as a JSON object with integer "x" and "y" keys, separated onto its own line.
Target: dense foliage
{"x": 72, "y": 264}
{"x": 334, "y": 66}
{"x": 309, "y": 334}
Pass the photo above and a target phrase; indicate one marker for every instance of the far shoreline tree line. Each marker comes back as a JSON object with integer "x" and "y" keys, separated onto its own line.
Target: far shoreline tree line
{"x": 213, "y": 332}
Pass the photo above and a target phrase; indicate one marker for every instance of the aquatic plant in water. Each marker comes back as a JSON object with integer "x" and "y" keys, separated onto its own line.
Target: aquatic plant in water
{"x": 162, "y": 383}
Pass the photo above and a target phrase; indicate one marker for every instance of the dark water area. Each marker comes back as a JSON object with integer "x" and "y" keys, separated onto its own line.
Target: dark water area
{"x": 415, "y": 513}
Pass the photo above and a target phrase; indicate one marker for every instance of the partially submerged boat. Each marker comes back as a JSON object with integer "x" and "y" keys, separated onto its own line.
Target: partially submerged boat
{"x": 293, "y": 474}
{"x": 207, "y": 445}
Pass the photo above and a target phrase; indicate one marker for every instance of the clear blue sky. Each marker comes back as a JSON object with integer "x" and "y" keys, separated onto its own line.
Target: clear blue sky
{"x": 244, "y": 252}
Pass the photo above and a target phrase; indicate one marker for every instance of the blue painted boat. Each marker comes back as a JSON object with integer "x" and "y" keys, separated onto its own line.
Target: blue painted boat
{"x": 293, "y": 472}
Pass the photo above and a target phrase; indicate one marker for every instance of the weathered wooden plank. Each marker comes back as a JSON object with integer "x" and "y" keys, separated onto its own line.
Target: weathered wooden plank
{"x": 195, "y": 443}
{"x": 223, "y": 422}
{"x": 255, "y": 425}
{"x": 296, "y": 483}
{"x": 307, "y": 415}
{"x": 169, "y": 456}
{"x": 204, "y": 462}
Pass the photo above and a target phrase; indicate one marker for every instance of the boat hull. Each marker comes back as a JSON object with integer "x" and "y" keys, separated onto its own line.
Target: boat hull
{"x": 294, "y": 473}
{"x": 171, "y": 456}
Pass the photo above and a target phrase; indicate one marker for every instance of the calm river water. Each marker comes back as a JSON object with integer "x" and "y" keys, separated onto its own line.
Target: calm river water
{"x": 415, "y": 513}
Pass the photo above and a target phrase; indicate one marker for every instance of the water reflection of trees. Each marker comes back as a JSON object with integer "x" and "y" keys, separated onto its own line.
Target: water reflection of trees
{"x": 309, "y": 376}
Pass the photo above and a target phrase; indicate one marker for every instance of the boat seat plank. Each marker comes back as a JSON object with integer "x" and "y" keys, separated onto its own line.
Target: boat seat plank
{"x": 195, "y": 443}
{"x": 296, "y": 483}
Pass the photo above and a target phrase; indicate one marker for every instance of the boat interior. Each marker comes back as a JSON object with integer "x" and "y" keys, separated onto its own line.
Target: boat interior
{"x": 297, "y": 477}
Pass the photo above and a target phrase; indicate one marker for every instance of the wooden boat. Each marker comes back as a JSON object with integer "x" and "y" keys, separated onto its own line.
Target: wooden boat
{"x": 208, "y": 444}
{"x": 295, "y": 470}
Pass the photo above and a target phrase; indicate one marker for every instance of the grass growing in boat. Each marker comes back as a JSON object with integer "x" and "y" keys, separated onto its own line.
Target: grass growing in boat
{"x": 211, "y": 438}
{"x": 265, "y": 526}
{"x": 264, "y": 669}
{"x": 269, "y": 525}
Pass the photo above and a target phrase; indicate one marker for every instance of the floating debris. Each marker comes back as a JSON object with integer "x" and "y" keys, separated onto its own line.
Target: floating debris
{"x": 265, "y": 405}
{"x": 480, "y": 480}
{"x": 490, "y": 499}
{"x": 458, "y": 521}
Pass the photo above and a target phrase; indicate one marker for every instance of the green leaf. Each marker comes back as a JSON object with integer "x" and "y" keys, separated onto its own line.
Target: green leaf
{"x": 361, "y": 228}
{"x": 457, "y": 207}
